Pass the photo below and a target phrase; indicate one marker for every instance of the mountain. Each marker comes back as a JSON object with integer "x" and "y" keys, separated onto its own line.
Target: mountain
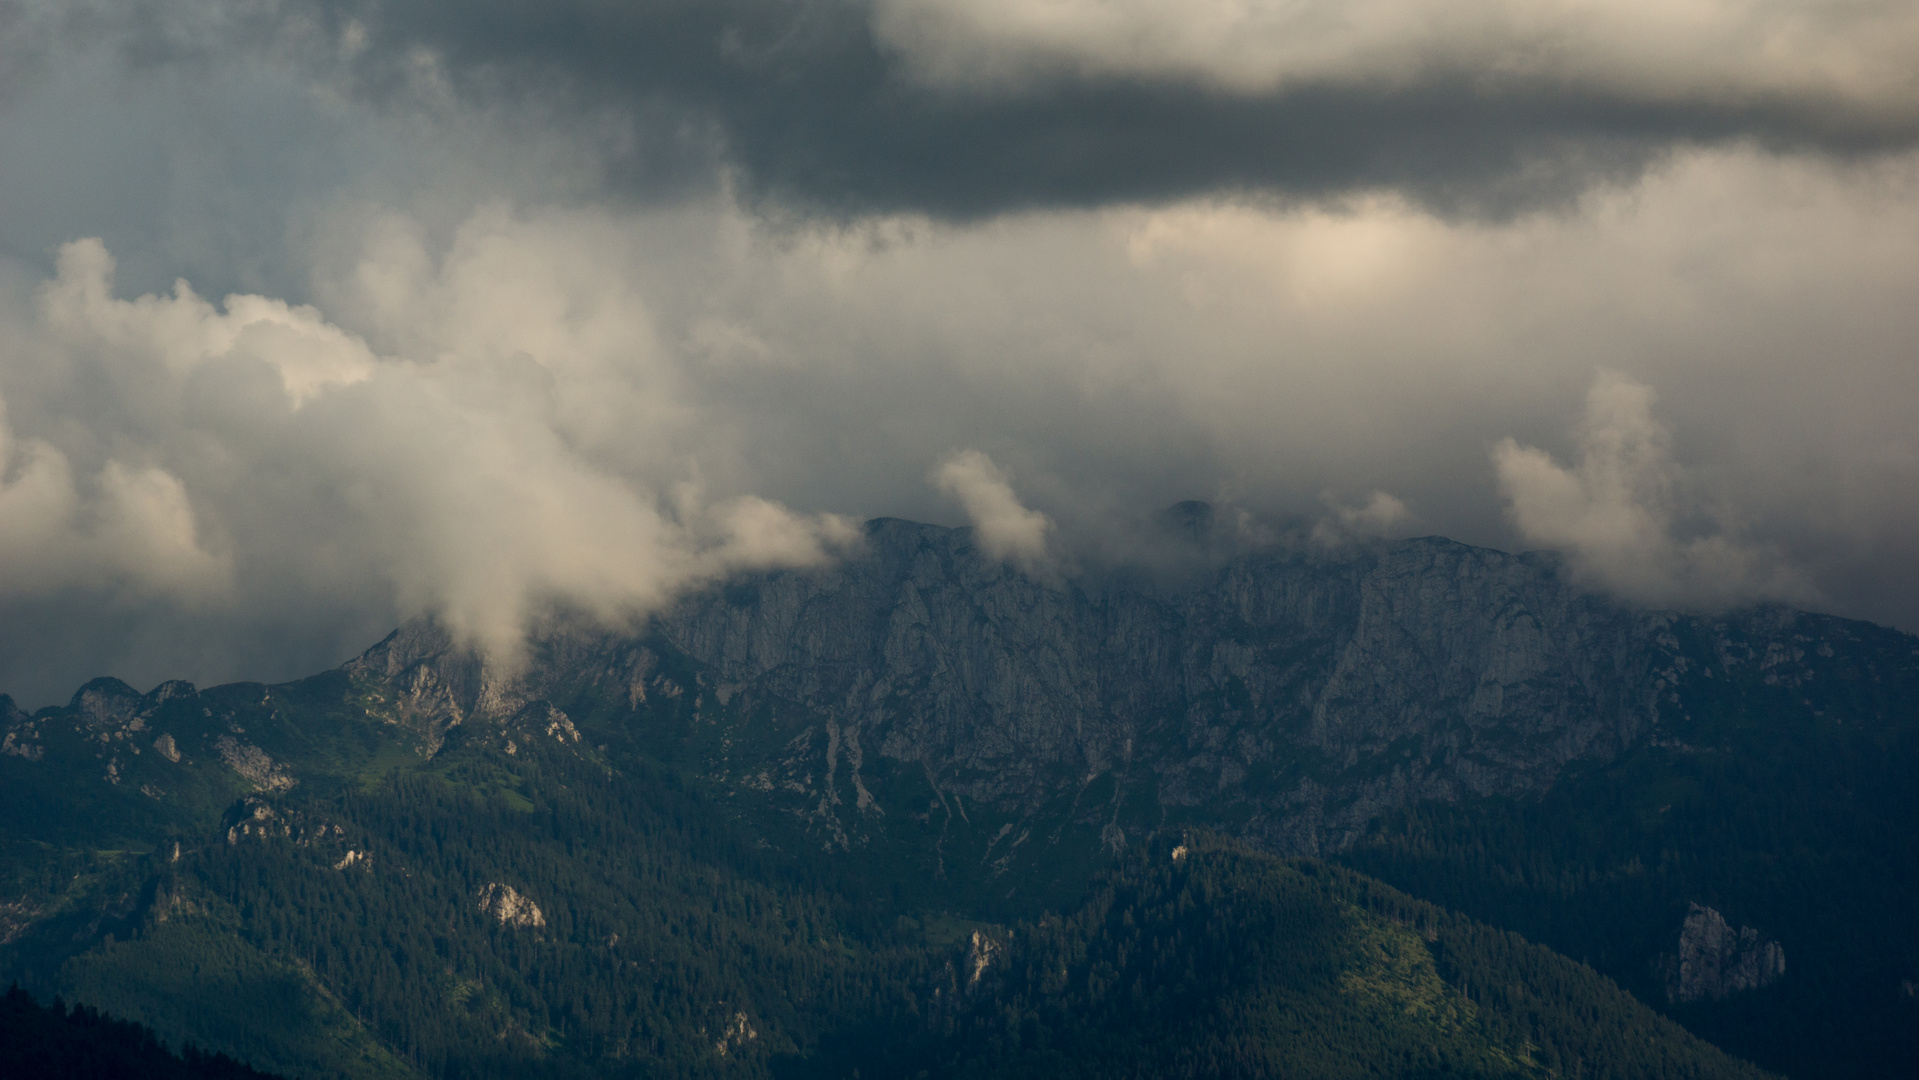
{"x": 921, "y": 729}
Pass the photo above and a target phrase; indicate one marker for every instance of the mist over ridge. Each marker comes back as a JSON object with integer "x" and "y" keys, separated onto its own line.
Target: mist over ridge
{"x": 487, "y": 310}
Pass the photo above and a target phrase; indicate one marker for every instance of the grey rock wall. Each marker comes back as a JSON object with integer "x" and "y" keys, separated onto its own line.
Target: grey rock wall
{"x": 1290, "y": 696}
{"x": 1311, "y": 689}
{"x": 1715, "y": 961}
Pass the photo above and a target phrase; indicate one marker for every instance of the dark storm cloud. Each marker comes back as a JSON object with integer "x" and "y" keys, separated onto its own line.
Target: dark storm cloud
{"x": 815, "y": 111}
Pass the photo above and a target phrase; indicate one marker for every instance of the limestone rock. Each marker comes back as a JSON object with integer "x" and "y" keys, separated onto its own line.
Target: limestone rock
{"x": 1715, "y": 961}
{"x": 738, "y": 1032}
{"x": 16, "y": 916}
{"x": 981, "y": 954}
{"x": 1302, "y": 691}
{"x": 255, "y": 819}
{"x": 511, "y": 907}
{"x": 253, "y": 764}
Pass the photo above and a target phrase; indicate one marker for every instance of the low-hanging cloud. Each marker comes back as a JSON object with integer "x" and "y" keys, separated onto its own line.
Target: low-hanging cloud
{"x": 1004, "y": 528}
{"x": 1619, "y": 513}
{"x": 1382, "y": 514}
{"x": 464, "y": 474}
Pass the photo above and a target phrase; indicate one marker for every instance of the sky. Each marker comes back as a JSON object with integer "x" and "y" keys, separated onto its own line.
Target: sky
{"x": 316, "y": 316}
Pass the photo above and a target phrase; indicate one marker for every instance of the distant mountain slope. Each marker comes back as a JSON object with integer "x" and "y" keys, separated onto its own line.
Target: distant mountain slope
{"x": 1203, "y": 958}
{"x": 536, "y": 913}
{"x": 922, "y": 729}
{"x": 1293, "y": 694}
{"x": 1800, "y": 830}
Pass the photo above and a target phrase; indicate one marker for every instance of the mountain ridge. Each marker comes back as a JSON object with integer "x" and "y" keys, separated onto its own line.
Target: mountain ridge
{"x": 1382, "y": 674}
{"x": 1290, "y": 697}
{"x": 931, "y": 729}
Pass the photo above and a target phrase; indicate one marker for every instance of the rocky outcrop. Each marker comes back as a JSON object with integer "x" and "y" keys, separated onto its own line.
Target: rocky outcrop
{"x": 108, "y": 703}
{"x": 511, "y": 907}
{"x": 257, "y": 819}
{"x": 22, "y": 744}
{"x": 737, "y": 1033}
{"x": 981, "y": 954}
{"x": 16, "y": 916}
{"x": 422, "y": 680}
{"x": 253, "y": 764}
{"x": 19, "y": 735}
{"x": 254, "y": 819}
{"x": 1715, "y": 961}
{"x": 105, "y": 719}
{"x": 418, "y": 679}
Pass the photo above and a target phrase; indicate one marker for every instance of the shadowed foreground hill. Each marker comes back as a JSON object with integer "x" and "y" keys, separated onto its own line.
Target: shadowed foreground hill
{"x": 540, "y": 913}
{"x": 39, "y": 1042}
{"x": 1208, "y": 959}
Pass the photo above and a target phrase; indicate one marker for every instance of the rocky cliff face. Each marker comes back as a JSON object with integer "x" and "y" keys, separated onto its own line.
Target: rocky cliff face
{"x": 1288, "y": 696}
{"x": 1715, "y": 961}
{"x": 1307, "y": 692}
{"x": 1291, "y": 696}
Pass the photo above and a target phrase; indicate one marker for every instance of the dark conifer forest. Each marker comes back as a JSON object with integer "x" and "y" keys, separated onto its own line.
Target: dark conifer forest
{"x": 57, "y": 1042}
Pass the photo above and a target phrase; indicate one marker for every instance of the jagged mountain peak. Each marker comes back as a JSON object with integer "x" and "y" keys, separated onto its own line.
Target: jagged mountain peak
{"x": 1298, "y": 692}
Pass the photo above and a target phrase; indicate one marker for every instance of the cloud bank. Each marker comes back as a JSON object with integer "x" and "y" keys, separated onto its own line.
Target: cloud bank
{"x": 496, "y": 308}
{"x": 1616, "y": 513}
{"x": 122, "y": 530}
{"x": 1382, "y": 514}
{"x": 472, "y": 476}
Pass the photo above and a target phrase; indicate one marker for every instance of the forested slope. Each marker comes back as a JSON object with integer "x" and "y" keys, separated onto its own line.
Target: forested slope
{"x": 1203, "y": 958}
{"x": 1788, "y": 805}
{"x": 544, "y": 912}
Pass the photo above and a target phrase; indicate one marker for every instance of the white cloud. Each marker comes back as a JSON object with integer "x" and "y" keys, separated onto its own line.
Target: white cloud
{"x": 1617, "y": 514}
{"x": 479, "y": 474}
{"x": 1382, "y": 514}
{"x": 184, "y": 332}
{"x": 504, "y": 403}
{"x": 1005, "y": 529}
{"x": 129, "y": 531}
